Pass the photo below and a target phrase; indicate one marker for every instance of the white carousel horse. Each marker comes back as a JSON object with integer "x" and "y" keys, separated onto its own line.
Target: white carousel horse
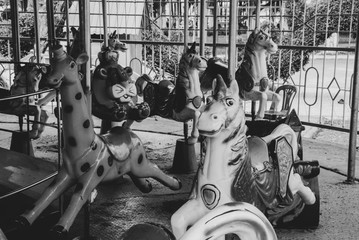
{"x": 252, "y": 74}
{"x": 183, "y": 101}
{"x": 89, "y": 159}
{"x": 239, "y": 169}
{"x": 27, "y": 81}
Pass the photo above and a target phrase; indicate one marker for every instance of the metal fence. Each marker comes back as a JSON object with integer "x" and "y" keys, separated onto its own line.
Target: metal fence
{"x": 316, "y": 41}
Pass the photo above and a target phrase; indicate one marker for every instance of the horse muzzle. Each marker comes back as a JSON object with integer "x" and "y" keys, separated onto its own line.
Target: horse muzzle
{"x": 55, "y": 80}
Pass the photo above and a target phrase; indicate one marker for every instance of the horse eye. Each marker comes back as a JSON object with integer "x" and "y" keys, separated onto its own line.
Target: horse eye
{"x": 72, "y": 64}
{"x": 209, "y": 99}
{"x": 229, "y": 102}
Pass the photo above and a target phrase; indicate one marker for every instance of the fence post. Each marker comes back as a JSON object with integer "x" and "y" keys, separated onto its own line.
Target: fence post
{"x": 354, "y": 116}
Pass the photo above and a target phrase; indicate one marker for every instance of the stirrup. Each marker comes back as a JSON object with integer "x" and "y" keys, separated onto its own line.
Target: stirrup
{"x": 307, "y": 169}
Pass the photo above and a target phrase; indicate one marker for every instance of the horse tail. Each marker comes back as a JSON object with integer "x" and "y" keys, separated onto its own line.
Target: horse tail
{"x": 240, "y": 218}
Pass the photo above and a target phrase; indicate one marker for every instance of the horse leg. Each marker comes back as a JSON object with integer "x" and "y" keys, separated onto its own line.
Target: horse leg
{"x": 141, "y": 167}
{"x": 143, "y": 184}
{"x": 85, "y": 185}
{"x": 186, "y": 114}
{"x": 187, "y": 216}
{"x": 255, "y": 95}
{"x": 59, "y": 185}
{"x": 275, "y": 98}
{"x": 296, "y": 185}
{"x": 43, "y": 119}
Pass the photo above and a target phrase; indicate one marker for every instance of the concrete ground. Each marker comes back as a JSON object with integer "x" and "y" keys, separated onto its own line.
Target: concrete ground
{"x": 120, "y": 205}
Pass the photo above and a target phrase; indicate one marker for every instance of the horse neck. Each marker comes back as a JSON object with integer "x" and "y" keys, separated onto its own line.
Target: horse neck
{"x": 77, "y": 123}
{"x": 192, "y": 74}
{"x": 219, "y": 154}
{"x": 258, "y": 68}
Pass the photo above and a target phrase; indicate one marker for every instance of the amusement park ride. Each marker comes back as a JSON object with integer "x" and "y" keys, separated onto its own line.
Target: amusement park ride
{"x": 252, "y": 175}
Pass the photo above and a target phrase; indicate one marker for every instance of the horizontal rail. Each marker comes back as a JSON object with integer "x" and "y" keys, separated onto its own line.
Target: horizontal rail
{"x": 28, "y": 186}
{"x": 26, "y": 95}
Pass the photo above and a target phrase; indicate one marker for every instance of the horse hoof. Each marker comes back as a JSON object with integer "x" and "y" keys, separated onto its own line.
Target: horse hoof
{"x": 34, "y": 134}
{"x": 307, "y": 169}
{"x": 179, "y": 184}
{"x": 58, "y": 233}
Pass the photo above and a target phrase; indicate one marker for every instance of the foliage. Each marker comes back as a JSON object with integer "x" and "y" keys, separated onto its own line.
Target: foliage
{"x": 322, "y": 20}
{"x": 168, "y": 54}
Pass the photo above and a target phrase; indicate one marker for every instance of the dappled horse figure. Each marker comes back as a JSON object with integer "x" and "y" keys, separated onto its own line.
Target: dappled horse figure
{"x": 89, "y": 159}
{"x": 252, "y": 74}
{"x": 237, "y": 168}
{"x": 27, "y": 81}
{"x": 181, "y": 102}
{"x": 114, "y": 92}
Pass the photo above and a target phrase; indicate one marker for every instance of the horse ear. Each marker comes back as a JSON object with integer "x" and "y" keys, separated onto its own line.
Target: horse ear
{"x": 82, "y": 58}
{"x": 193, "y": 47}
{"x": 114, "y": 33}
{"x": 220, "y": 87}
{"x": 234, "y": 86}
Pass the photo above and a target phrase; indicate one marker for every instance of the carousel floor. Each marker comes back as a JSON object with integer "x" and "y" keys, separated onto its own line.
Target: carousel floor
{"x": 120, "y": 205}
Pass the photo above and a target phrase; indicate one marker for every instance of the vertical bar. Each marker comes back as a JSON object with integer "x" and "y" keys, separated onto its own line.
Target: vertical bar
{"x": 354, "y": 116}
{"x": 15, "y": 33}
{"x": 59, "y": 144}
{"x": 203, "y": 35}
{"x": 215, "y": 25}
{"x": 185, "y": 23}
{"x": 37, "y": 34}
{"x": 258, "y": 14}
{"x": 50, "y": 26}
{"x": 104, "y": 16}
{"x": 67, "y": 6}
{"x": 232, "y": 50}
{"x": 84, "y": 11}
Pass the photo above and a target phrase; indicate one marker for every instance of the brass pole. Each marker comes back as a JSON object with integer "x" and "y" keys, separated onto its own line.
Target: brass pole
{"x": 232, "y": 50}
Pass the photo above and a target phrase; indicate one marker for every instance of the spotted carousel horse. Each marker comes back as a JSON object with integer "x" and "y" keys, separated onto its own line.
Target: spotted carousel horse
{"x": 252, "y": 74}
{"x": 27, "y": 81}
{"x": 237, "y": 168}
{"x": 89, "y": 159}
{"x": 182, "y": 101}
{"x": 114, "y": 92}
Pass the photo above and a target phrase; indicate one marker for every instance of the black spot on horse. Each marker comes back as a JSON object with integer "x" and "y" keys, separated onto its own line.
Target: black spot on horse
{"x": 110, "y": 161}
{"x": 85, "y": 167}
{"x": 86, "y": 124}
{"x": 140, "y": 159}
{"x": 78, "y": 96}
{"x": 100, "y": 170}
{"x": 72, "y": 141}
{"x": 68, "y": 108}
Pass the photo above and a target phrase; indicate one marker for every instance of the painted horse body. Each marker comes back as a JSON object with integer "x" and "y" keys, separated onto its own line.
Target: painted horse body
{"x": 182, "y": 101}
{"x": 89, "y": 159}
{"x": 237, "y": 168}
{"x": 252, "y": 75}
{"x": 115, "y": 94}
{"x": 27, "y": 81}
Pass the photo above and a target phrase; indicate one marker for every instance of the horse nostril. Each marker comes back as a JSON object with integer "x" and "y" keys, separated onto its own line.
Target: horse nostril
{"x": 214, "y": 117}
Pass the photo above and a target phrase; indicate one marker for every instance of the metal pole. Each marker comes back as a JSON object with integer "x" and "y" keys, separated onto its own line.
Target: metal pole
{"x": 185, "y": 23}
{"x": 354, "y": 115}
{"x": 232, "y": 50}
{"x": 37, "y": 32}
{"x": 50, "y": 26}
{"x": 15, "y": 33}
{"x": 104, "y": 16}
{"x": 258, "y": 13}
{"x": 215, "y": 25}
{"x": 202, "y": 35}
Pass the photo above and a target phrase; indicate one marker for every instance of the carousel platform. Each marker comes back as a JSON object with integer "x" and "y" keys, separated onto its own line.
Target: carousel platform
{"x": 120, "y": 205}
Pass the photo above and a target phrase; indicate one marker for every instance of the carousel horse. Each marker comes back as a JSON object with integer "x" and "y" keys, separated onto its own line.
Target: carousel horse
{"x": 252, "y": 75}
{"x": 180, "y": 102}
{"x": 27, "y": 81}
{"x": 89, "y": 159}
{"x": 237, "y": 168}
{"x": 114, "y": 92}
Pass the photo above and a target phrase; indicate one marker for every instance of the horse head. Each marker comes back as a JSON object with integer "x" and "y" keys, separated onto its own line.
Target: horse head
{"x": 29, "y": 77}
{"x": 223, "y": 113}
{"x": 191, "y": 60}
{"x": 261, "y": 39}
{"x": 65, "y": 68}
{"x": 114, "y": 43}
